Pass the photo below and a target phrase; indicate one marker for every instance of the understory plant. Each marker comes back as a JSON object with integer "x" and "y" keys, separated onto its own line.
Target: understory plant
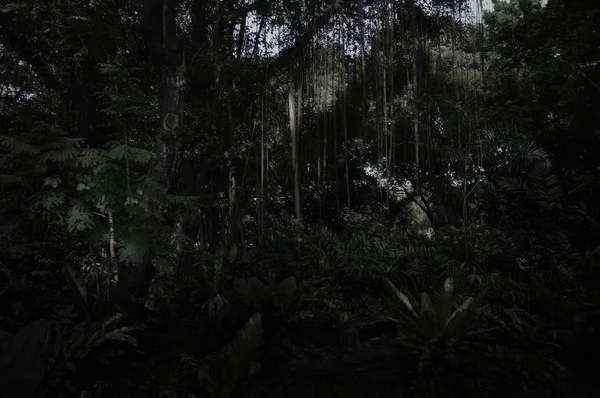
{"x": 222, "y": 374}
{"x": 44, "y": 356}
{"x": 442, "y": 333}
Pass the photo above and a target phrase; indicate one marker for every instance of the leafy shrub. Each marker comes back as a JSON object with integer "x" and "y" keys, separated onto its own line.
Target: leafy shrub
{"x": 22, "y": 366}
{"x": 439, "y": 335}
{"x": 45, "y": 353}
{"x": 222, "y": 374}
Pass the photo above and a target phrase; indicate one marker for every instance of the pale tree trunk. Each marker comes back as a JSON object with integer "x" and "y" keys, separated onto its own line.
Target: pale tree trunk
{"x": 294, "y": 143}
{"x": 233, "y": 216}
{"x": 413, "y": 31}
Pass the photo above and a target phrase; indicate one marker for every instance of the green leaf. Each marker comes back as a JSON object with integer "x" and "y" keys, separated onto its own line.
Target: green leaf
{"x": 6, "y": 179}
{"x": 235, "y": 362}
{"x": 12, "y": 7}
{"x": 443, "y": 303}
{"x": 428, "y": 318}
{"x": 133, "y": 155}
{"x": 92, "y": 157}
{"x": 233, "y": 252}
{"x": 286, "y": 288}
{"x": 21, "y": 361}
{"x": 402, "y": 298}
{"x": 71, "y": 366}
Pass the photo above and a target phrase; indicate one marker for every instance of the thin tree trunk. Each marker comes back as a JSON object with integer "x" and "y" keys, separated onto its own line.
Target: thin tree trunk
{"x": 233, "y": 225}
{"x": 294, "y": 141}
{"x": 363, "y": 125}
{"x": 413, "y": 31}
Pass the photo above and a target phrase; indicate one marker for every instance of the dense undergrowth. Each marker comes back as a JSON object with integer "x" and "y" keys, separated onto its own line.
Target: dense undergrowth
{"x": 318, "y": 313}
{"x": 442, "y": 174}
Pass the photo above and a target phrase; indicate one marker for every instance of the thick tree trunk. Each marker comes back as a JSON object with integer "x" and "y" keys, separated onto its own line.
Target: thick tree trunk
{"x": 168, "y": 137}
{"x": 162, "y": 43}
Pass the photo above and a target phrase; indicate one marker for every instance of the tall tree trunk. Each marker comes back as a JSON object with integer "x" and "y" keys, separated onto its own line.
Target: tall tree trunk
{"x": 162, "y": 44}
{"x": 294, "y": 141}
{"x": 363, "y": 80}
{"x": 413, "y": 31}
{"x": 232, "y": 183}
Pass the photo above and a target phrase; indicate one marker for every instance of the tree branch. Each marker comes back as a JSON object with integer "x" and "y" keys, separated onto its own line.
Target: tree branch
{"x": 291, "y": 53}
{"x": 244, "y": 10}
{"x": 16, "y": 41}
{"x": 152, "y": 29}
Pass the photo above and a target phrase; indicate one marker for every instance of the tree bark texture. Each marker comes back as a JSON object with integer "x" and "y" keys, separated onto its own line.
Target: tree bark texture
{"x": 164, "y": 50}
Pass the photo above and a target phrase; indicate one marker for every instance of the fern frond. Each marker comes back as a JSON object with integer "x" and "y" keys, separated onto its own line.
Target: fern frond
{"x": 77, "y": 285}
{"x": 80, "y": 218}
{"x": 235, "y": 362}
{"x": 92, "y": 157}
{"x": 7, "y": 179}
{"x": 100, "y": 332}
{"x": 107, "y": 167}
{"x": 50, "y": 200}
{"x": 7, "y": 161}
{"x": 64, "y": 142}
{"x": 182, "y": 201}
{"x": 17, "y": 146}
{"x": 134, "y": 155}
{"x": 59, "y": 155}
{"x": 513, "y": 184}
{"x": 119, "y": 334}
{"x": 12, "y": 7}
{"x": 536, "y": 157}
{"x": 22, "y": 250}
{"x": 412, "y": 249}
{"x": 545, "y": 186}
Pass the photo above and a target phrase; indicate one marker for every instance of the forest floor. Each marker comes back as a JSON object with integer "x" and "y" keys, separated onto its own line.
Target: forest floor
{"x": 379, "y": 368}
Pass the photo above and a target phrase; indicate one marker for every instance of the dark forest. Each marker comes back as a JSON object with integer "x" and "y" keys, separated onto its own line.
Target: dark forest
{"x": 299, "y": 198}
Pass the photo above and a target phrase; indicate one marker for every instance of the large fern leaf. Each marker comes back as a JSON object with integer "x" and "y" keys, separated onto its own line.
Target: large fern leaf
{"x": 134, "y": 155}
{"x": 92, "y": 157}
{"x": 18, "y": 146}
{"x": 544, "y": 184}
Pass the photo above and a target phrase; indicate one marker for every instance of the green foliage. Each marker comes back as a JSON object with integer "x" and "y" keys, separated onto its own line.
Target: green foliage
{"x": 277, "y": 302}
{"x": 317, "y": 390}
{"x": 21, "y": 359}
{"x": 438, "y": 332}
{"x": 530, "y": 361}
{"x": 222, "y": 376}
{"x": 429, "y": 322}
{"x": 186, "y": 202}
{"x": 90, "y": 289}
{"x": 358, "y": 254}
{"x": 75, "y": 344}
{"x": 44, "y": 353}
{"x": 79, "y": 218}
{"x": 83, "y": 339}
{"x": 514, "y": 209}
{"x": 135, "y": 156}
{"x": 91, "y": 157}
{"x": 125, "y": 97}
{"x": 133, "y": 248}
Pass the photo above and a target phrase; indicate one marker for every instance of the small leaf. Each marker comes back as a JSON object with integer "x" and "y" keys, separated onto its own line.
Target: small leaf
{"x": 403, "y": 298}
{"x": 286, "y": 288}
{"x": 233, "y": 252}
{"x": 70, "y": 388}
{"x": 71, "y": 366}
